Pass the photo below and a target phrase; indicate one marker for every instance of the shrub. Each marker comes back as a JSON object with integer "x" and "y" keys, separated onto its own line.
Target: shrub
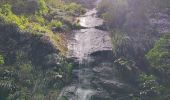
{"x": 113, "y": 11}
{"x": 74, "y": 8}
{"x": 5, "y": 9}
{"x": 70, "y": 8}
{"x": 36, "y": 28}
{"x": 121, "y": 44}
{"x": 39, "y": 97}
{"x": 38, "y": 19}
{"x": 149, "y": 87}
{"x": 7, "y": 16}
{"x": 55, "y": 23}
{"x": 56, "y": 3}
{"x": 159, "y": 56}
{"x": 43, "y": 9}
{"x": 1, "y": 60}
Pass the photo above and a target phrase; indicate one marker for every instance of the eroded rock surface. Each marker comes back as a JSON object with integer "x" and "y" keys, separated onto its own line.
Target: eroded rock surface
{"x": 87, "y": 41}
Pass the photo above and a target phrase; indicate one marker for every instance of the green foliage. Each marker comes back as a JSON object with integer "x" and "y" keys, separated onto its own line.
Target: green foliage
{"x": 76, "y": 26}
{"x": 25, "y": 76}
{"x": 55, "y": 23}
{"x": 64, "y": 98}
{"x": 1, "y": 60}
{"x": 36, "y": 28}
{"x": 150, "y": 88}
{"x": 5, "y": 9}
{"x": 67, "y": 67}
{"x": 43, "y": 9}
{"x": 122, "y": 44}
{"x": 39, "y": 97}
{"x": 126, "y": 64}
{"x": 127, "y": 69}
{"x": 56, "y": 3}
{"x": 39, "y": 19}
{"x": 7, "y": 79}
{"x": 159, "y": 59}
{"x": 111, "y": 10}
{"x": 7, "y": 16}
{"x": 26, "y": 68}
{"x": 34, "y": 24}
{"x": 159, "y": 56}
{"x": 23, "y": 22}
{"x": 23, "y": 80}
{"x": 72, "y": 7}
{"x": 69, "y": 8}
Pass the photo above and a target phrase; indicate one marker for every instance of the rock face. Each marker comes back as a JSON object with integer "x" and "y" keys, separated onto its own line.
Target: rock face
{"x": 30, "y": 7}
{"x": 87, "y": 41}
{"x": 161, "y": 22}
{"x": 90, "y": 19}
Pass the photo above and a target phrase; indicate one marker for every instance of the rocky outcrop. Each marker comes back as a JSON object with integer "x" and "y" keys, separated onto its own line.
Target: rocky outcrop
{"x": 160, "y": 22}
{"x": 87, "y": 41}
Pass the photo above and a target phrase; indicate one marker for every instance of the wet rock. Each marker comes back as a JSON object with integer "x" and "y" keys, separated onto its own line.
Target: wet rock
{"x": 90, "y": 19}
{"x": 67, "y": 93}
{"x": 88, "y": 41}
{"x": 160, "y": 22}
{"x": 101, "y": 96}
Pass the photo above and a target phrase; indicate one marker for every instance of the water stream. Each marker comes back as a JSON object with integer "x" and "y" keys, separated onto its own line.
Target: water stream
{"x": 87, "y": 41}
{"x": 81, "y": 45}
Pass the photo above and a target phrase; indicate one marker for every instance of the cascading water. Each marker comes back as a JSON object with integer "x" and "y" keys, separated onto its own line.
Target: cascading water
{"x": 84, "y": 42}
{"x": 83, "y": 94}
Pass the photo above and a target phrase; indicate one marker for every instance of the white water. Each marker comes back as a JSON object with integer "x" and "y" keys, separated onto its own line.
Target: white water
{"x": 89, "y": 40}
{"x": 83, "y": 94}
{"x": 90, "y": 19}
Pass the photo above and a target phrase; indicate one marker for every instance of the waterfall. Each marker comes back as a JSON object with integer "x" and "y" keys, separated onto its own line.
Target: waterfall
{"x": 81, "y": 45}
{"x": 83, "y": 94}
